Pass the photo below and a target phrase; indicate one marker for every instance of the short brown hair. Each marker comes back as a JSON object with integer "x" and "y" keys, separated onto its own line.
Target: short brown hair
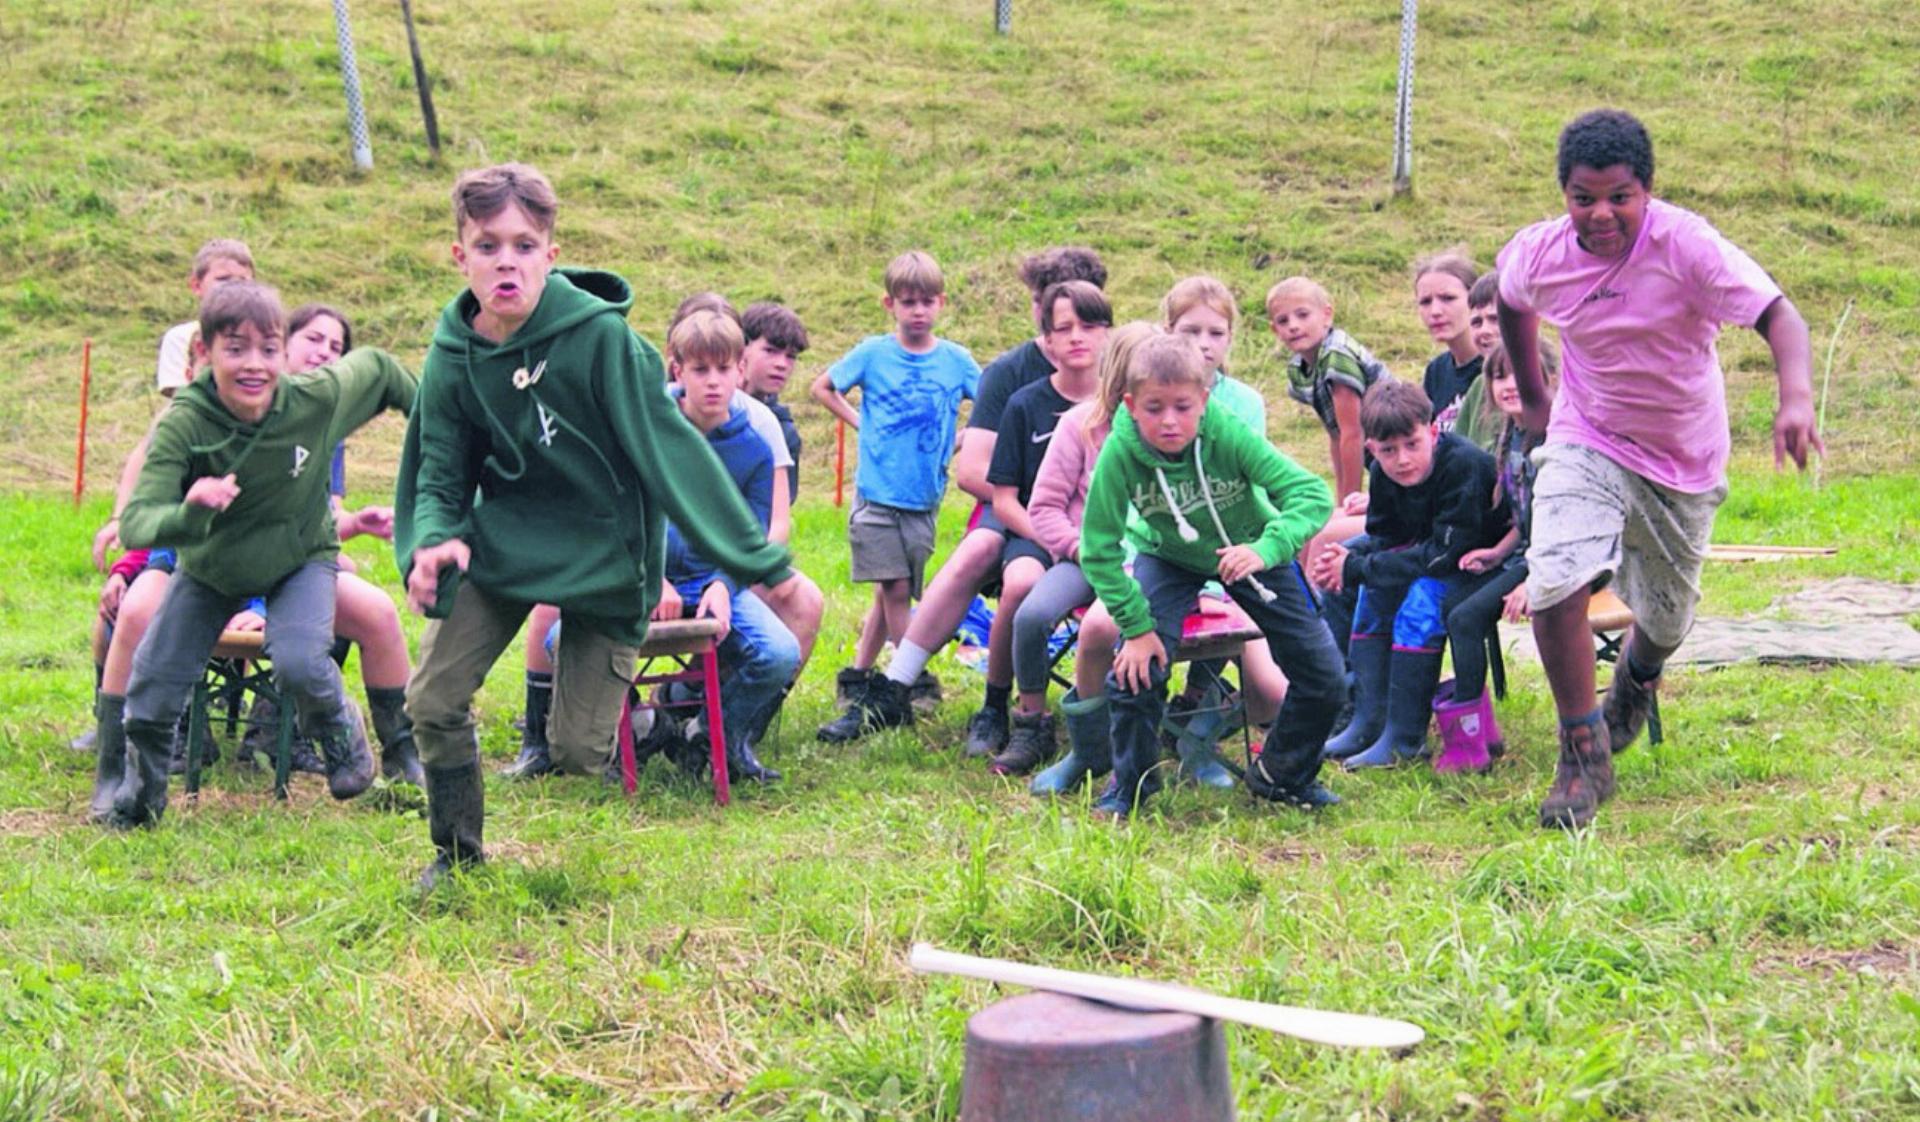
{"x": 1394, "y": 409}
{"x": 777, "y": 324}
{"x": 701, "y": 302}
{"x": 708, "y": 335}
{"x": 1062, "y": 263}
{"x": 484, "y": 192}
{"x": 235, "y": 305}
{"x": 914, "y": 273}
{"x": 1485, "y": 290}
{"x": 221, "y": 249}
{"x": 1453, "y": 262}
{"x": 307, "y": 313}
{"x": 1169, "y": 359}
{"x": 1089, "y": 304}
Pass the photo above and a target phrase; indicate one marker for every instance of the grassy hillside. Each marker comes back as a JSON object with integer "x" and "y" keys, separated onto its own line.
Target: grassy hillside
{"x": 1738, "y": 938}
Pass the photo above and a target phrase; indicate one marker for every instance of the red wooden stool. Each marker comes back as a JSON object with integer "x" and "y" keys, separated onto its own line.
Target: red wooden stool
{"x": 682, "y": 642}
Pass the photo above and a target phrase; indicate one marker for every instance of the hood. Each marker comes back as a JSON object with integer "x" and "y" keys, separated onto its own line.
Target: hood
{"x": 570, "y": 297}
{"x": 737, "y": 420}
{"x": 203, "y": 398}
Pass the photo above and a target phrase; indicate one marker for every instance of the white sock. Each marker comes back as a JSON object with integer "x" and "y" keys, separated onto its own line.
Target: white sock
{"x": 909, "y": 659}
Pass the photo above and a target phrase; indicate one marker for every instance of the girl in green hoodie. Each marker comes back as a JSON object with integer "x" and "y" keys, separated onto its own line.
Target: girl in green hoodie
{"x": 1215, "y": 501}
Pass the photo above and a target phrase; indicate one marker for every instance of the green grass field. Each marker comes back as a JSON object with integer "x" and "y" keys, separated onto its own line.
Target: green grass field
{"x": 1739, "y": 937}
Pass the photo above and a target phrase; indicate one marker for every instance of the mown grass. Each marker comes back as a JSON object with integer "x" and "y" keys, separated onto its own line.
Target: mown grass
{"x": 1740, "y": 936}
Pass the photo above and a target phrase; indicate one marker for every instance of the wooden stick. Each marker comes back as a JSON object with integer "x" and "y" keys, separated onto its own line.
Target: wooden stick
{"x": 86, "y": 391}
{"x": 1343, "y": 1030}
{"x": 420, "y": 82}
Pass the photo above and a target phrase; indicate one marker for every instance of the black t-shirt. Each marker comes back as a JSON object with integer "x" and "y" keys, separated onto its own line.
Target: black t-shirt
{"x": 1026, "y": 428}
{"x": 791, "y": 432}
{"x": 1424, "y": 529}
{"x": 1005, "y": 376}
{"x": 1445, "y": 383}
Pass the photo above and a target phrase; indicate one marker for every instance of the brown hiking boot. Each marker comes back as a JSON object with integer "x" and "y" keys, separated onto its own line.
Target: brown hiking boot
{"x": 1626, "y": 708}
{"x": 1582, "y": 780}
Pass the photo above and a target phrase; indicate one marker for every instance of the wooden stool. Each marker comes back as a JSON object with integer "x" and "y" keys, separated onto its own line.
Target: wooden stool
{"x": 1047, "y": 1057}
{"x": 237, "y": 667}
{"x": 1609, "y": 618}
{"x": 682, "y": 642}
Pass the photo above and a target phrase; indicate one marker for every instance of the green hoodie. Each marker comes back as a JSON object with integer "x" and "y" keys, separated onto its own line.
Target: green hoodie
{"x": 280, "y": 519}
{"x": 576, "y": 468}
{"x": 1259, "y": 496}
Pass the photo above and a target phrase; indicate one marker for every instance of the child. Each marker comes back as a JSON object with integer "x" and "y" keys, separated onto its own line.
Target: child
{"x": 1634, "y": 463}
{"x": 214, "y": 264}
{"x": 1479, "y": 420}
{"x": 1203, "y": 309}
{"x": 538, "y": 396}
{"x": 972, "y": 569}
{"x": 227, "y": 482}
{"x": 1056, "y": 508}
{"x": 1426, "y": 508}
{"x": 912, "y": 384}
{"x": 775, "y": 341}
{"x": 1328, "y": 370}
{"x": 759, "y": 653}
{"x": 1441, "y": 283}
{"x": 1469, "y": 736}
{"x": 1215, "y": 500}
{"x": 1076, "y": 319}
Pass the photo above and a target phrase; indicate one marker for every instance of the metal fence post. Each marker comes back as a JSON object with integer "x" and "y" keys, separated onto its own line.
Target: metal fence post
{"x": 350, "y": 77}
{"x": 1003, "y": 16}
{"x": 1403, "y": 110}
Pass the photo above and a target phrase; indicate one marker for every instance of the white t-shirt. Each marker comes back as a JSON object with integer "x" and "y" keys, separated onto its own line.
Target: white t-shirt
{"x": 766, "y": 426}
{"x": 175, "y": 367}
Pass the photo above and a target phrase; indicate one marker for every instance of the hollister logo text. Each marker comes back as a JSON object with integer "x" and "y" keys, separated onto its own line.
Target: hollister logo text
{"x": 1148, "y": 499}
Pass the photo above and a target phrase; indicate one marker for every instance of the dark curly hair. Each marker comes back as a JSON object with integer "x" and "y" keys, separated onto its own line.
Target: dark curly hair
{"x": 1603, "y": 138}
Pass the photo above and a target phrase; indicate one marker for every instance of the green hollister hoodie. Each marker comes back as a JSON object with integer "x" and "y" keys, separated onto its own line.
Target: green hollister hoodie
{"x": 1229, "y": 480}
{"x": 280, "y": 519}
{"x": 557, "y": 457}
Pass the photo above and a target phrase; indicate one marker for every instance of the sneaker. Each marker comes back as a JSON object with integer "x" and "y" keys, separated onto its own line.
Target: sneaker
{"x": 1313, "y": 796}
{"x": 849, "y": 685}
{"x": 882, "y": 705}
{"x": 987, "y": 732}
{"x": 1110, "y": 807}
{"x": 1030, "y": 744}
{"x": 1627, "y": 706}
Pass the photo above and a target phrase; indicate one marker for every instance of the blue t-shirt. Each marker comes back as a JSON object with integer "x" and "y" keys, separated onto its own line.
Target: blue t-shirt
{"x": 909, "y": 408}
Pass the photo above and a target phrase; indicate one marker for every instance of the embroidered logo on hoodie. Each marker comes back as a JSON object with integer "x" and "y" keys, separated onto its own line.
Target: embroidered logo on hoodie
{"x": 546, "y": 425}
{"x": 299, "y": 460}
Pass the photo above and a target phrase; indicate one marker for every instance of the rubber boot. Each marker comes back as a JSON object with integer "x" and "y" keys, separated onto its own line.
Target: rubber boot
{"x": 534, "y": 760}
{"x": 1368, "y": 657}
{"x": 1089, "y": 746}
{"x": 110, "y": 761}
{"x": 1466, "y": 728}
{"x": 141, "y": 799}
{"x": 456, "y": 817}
{"x": 1583, "y": 778}
{"x": 1197, "y": 742}
{"x": 349, "y": 759}
{"x": 1410, "y": 686}
{"x": 399, "y": 758}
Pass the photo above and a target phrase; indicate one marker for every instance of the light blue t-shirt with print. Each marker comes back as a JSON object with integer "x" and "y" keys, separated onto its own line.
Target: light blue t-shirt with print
{"x": 909, "y": 407}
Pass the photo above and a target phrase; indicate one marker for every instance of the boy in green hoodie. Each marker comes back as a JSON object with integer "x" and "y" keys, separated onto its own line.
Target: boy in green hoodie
{"x": 540, "y": 468}
{"x": 1215, "y": 500}
{"x": 236, "y": 480}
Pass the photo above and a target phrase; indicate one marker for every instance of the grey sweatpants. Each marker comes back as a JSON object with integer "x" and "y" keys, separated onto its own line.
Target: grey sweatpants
{"x": 1058, "y": 592}
{"x": 299, "y": 641}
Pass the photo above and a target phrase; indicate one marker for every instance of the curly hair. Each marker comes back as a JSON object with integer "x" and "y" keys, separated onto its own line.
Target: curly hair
{"x": 1603, "y": 138}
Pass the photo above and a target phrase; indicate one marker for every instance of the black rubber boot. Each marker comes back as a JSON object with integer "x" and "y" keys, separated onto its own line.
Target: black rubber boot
{"x": 141, "y": 799}
{"x": 1410, "y": 687}
{"x": 399, "y": 758}
{"x": 349, "y": 759}
{"x": 110, "y": 761}
{"x": 456, "y": 817}
{"x": 534, "y": 760}
{"x": 1368, "y": 659}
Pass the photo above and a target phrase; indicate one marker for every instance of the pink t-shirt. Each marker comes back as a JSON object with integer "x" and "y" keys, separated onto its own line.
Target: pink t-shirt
{"x": 1640, "y": 379}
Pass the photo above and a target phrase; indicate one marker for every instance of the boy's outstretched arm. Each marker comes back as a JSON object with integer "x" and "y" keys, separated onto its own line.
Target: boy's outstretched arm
{"x": 1794, "y": 432}
{"x": 371, "y": 381}
{"x": 1520, "y": 335}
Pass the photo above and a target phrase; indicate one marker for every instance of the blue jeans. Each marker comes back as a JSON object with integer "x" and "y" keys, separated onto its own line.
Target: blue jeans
{"x": 1301, "y": 646}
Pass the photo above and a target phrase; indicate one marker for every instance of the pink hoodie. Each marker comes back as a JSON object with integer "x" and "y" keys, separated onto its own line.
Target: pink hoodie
{"x": 1060, "y": 489}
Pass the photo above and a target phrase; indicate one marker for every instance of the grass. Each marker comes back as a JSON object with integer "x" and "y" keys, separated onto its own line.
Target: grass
{"x": 1738, "y": 938}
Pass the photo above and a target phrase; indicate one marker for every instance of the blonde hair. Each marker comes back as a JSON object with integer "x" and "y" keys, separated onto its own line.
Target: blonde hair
{"x": 1168, "y": 359}
{"x": 221, "y": 249}
{"x": 1188, "y": 294}
{"x": 1454, "y": 261}
{"x": 914, "y": 273}
{"x": 1301, "y": 287}
{"x": 706, "y": 334}
{"x": 1122, "y": 341}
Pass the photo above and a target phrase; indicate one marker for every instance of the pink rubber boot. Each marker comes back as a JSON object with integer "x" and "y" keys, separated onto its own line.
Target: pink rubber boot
{"x": 1466, "y": 727}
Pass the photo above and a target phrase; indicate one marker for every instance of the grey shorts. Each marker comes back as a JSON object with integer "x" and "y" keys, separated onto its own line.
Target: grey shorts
{"x": 1593, "y": 519}
{"x": 889, "y": 543}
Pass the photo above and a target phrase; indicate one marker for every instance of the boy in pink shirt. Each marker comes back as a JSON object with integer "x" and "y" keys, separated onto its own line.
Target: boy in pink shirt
{"x": 1634, "y": 463}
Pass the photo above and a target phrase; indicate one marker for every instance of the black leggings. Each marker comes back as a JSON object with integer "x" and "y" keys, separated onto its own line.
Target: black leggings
{"x": 1471, "y": 621}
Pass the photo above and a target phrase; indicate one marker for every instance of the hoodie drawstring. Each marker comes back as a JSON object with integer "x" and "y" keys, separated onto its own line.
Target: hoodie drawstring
{"x": 1187, "y": 533}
